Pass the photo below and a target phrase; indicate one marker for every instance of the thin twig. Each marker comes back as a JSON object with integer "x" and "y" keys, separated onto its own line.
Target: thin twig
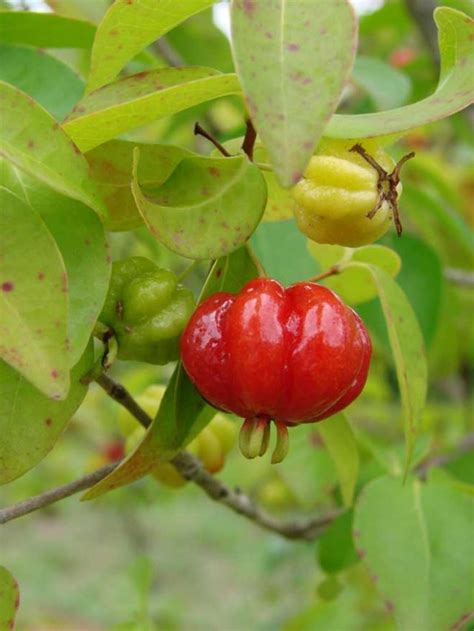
{"x": 200, "y": 131}
{"x": 331, "y": 271}
{"x": 249, "y": 140}
{"x": 459, "y": 276}
{"x": 191, "y": 469}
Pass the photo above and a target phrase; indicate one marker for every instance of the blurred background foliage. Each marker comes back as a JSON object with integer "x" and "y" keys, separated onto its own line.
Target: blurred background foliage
{"x": 146, "y": 557}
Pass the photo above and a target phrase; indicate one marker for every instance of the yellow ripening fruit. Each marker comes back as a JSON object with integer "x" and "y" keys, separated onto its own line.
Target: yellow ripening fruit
{"x": 338, "y": 191}
{"x": 225, "y": 430}
{"x": 149, "y": 400}
{"x": 210, "y": 450}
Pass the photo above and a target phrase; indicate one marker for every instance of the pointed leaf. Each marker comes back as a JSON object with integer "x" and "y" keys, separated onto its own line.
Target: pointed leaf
{"x": 111, "y": 168}
{"x": 9, "y": 599}
{"x": 342, "y": 446}
{"x": 455, "y": 89}
{"x": 207, "y": 208}
{"x": 417, "y": 541}
{"x": 406, "y": 341}
{"x": 45, "y": 30}
{"x": 128, "y": 27}
{"x": 182, "y": 411}
{"x": 30, "y": 423}
{"x": 33, "y": 340}
{"x": 143, "y": 98}
{"x": 80, "y": 237}
{"x": 46, "y": 79}
{"x": 32, "y": 140}
{"x": 292, "y": 57}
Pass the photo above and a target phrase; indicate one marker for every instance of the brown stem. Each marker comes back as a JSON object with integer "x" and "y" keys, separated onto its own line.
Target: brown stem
{"x": 332, "y": 271}
{"x": 249, "y": 140}
{"x": 200, "y": 131}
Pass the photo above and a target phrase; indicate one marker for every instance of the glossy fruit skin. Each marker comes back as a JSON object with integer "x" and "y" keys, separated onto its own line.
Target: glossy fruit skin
{"x": 337, "y": 192}
{"x": 294, "y": 355}
{"x": 147, "y": 310}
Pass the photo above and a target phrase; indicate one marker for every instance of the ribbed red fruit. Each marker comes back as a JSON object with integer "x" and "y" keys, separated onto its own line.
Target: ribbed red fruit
{"x": 294, "y": 355}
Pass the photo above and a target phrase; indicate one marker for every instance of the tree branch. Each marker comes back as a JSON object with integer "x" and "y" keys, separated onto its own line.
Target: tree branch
{"x": 459, "y": 276}
{"x": 191, "y": 469}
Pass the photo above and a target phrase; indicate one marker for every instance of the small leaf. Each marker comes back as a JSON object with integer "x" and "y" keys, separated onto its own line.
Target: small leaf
{"x": 292, "y": 59}
{"x": 182, "y": 411}
{"x": 45, "y": 30}
{"x": 46, "y": 79}
{"x": 33, "y": 340}
{"x": 30, "y": 423}
{"x": 406, "y": 341}
{"x": 354, "y": 285}
{"x": 32, "y": 140}
{"x": 111, "y": 168}
{"x": 207, "y": 208}
{"x": 417, "y": 542}
{"x": 342, "y": 446}
{"x": 143, "y": 98}
{"x": 128, "y": 27}
{"x": 9, "y": 599}
{"x": 454, "y": 93}
{"x": 387, "y": 86}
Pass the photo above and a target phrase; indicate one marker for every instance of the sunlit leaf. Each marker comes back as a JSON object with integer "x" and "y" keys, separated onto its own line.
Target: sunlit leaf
{"x": 33, "y": 141}
{"x": 128, "y": 27}
{"x": 417, "y": 542}
{"x": 292, "y": 58}
{"x": 207, "y": 208}
{"x": 142, "y": 98}
{"x": 455, "y": 89}
{"x": 30, "y": 422}
{"x": 33, "y": 340}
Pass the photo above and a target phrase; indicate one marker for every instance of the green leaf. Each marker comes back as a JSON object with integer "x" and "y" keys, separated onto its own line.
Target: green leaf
{"x": 354, "y": 285}
{"x": 271, "y": 239}
{"x": 143, "y": 98}
{"x": 207, "y": 208}
{"x": 30, "y": 422}
{"x": 342, "y": 446}
{"x": 292, "y": 59}
{"x": 417, "y": 540}
{"x": 387, "y": 86}
{"x": 182, "y": 412}
{"x": 111, "y": 168}
{"x": 406, "y": 341}
{"x": 32, "y": 140}
{"x": 336, "y": 549}
{"x": 80, "y": 237}
{"x": 45, "y": 30}
{"x": 9, "y": 599}
{"x": 280, "y": 203}
{"x": 33, "y": 340}
{"x": 46, "y": 79}
{"x": 454, "y": 93}
{"x": 128, "y": 27}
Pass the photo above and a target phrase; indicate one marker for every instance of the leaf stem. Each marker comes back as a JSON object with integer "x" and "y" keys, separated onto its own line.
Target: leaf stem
{"x": 188, "y": 271}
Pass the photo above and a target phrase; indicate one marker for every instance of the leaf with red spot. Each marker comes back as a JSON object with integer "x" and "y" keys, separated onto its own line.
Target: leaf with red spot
{"x": 30, "y": 422}
{"x": 33, "y": 141}
{"x": 131, "y": 25}
{"x": 292, "y": 58}
{"x": 9, "y": 599}
{"x": 33, "y": 298}
{"x": 182, "y": 413}
{"x": 111, "y": 167}
{"x": 142, "y": 98}
{"x": 207, "y": 208}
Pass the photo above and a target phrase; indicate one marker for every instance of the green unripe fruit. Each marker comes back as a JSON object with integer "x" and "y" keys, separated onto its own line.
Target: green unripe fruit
{"x": 338, "y": 192}
{"x": 149, "y": 401}
{"x": 147, "y": 310}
